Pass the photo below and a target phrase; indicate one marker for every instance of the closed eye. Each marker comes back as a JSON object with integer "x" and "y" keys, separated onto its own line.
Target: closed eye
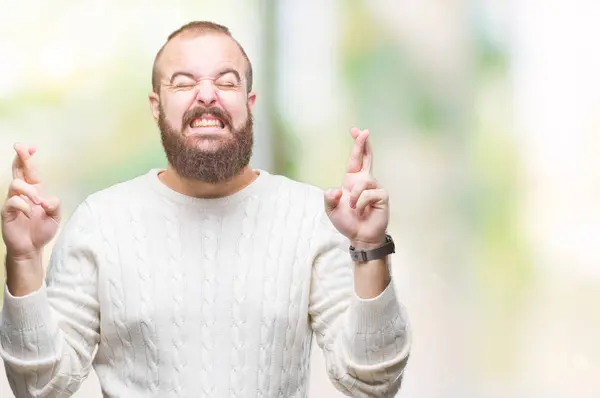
{"x": 182, "y": 86}
{"x": 227, "y": 85}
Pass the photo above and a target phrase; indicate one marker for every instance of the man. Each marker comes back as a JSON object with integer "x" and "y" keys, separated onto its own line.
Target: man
{"x": 207, "y": 278}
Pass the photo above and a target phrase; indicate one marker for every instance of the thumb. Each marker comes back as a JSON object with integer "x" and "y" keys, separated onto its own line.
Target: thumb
{"x": 332, "y": 199}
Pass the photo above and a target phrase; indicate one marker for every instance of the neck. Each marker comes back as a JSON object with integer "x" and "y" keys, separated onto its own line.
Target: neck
{"x": 201, "y": 189}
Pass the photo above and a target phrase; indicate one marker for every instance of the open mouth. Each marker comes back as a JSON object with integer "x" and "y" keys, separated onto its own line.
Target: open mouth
{"x": 207, "y": 121}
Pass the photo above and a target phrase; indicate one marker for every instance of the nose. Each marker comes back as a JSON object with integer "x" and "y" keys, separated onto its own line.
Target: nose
{"x": 206, "y": 93}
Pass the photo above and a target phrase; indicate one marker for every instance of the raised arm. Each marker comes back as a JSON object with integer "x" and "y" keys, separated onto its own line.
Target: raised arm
{"x": 355, "y": 313}
{"x": 48, "y": 329}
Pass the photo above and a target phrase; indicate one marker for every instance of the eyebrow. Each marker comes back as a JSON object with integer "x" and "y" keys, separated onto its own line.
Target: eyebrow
{"x": 230, "y": 70}
{"x": 176, "y": 74}
{"x": 191, "y": 76}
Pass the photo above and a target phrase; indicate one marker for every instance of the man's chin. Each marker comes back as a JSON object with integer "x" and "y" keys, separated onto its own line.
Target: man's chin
{"x": 206, "y": 142}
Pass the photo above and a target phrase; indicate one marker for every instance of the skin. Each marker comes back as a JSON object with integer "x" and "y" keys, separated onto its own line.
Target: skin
{"x": 358, "y": 208}
{"x": 30, "y": 220}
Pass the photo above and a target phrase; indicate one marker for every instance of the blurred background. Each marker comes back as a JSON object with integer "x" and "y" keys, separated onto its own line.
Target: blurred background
{"x": 484, "y": 117}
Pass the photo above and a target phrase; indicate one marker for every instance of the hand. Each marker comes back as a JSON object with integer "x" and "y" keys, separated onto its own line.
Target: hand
{"x": 29, "y": 219}
{"x": 359, "y": 209}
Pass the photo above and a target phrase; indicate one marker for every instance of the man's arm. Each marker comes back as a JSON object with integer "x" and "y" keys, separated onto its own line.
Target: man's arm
{"x": 372, "y": 277}
{"x": 48, "y": 335}
{"x": 358, "y": 320}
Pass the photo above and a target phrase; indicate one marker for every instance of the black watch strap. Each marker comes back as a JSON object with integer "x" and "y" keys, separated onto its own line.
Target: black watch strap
{"x": 361, "y": 256}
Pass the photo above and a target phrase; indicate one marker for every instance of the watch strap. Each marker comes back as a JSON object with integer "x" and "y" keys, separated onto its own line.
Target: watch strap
{"x": 362, "y": 256}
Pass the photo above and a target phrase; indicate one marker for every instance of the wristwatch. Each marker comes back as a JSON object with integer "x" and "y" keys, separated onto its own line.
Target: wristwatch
{"x": 362, "y": 256}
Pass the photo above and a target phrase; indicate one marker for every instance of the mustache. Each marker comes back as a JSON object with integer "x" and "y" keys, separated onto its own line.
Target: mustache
{"x": 198, "y": 112}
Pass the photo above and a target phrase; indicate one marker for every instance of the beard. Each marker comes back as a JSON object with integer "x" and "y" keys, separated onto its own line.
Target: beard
{"x": 231, "y": 155}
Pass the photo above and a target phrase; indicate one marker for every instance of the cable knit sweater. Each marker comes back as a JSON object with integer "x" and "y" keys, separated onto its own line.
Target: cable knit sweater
{"x": 171, "y": 296}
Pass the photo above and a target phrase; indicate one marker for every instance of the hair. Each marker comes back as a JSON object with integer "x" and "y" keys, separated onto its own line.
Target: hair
{"x": 198, "y": 28}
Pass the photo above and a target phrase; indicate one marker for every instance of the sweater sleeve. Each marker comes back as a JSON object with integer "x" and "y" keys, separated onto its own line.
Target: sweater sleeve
{"x": 365, "y": 342}
{"x": 47, "y": 338}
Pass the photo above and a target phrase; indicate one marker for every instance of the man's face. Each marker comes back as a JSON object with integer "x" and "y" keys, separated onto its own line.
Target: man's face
{"x": 203, "y": 109}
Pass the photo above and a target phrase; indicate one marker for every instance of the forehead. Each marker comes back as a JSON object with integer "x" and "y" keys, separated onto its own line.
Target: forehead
{"x": 202, "y": 55}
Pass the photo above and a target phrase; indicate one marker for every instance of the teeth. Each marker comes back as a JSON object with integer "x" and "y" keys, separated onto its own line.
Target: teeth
{"x": 206, "y": 123}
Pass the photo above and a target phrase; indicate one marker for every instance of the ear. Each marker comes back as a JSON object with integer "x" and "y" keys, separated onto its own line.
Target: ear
{"x": 251, "y": 99}
{"x": 154, "y": 105}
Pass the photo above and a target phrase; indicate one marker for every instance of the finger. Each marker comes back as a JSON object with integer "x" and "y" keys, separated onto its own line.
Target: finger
{"x": 332, "y": 199}
{"x": 355, "y": 132}
{"x": 52, "y": 207}
{"x": 372, "y": 197}
{"x": 356, "y": 156}
{"x": 20, "y": 187}
{"x": 367, "y": 163}
{"x": 18, "y": 166}
{"x": 23, "y": 167}
{"x": 14, "y": 206}
{"x": 17, "y": 169}
{"x": 358, "y": 189}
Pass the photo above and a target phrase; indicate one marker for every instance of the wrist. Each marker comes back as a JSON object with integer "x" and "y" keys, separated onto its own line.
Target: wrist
{"x": 365, "y": 251}
{"x": 368, "y": 245}
{"x": 27, "y": 257}
{"x": 24, "y": 274}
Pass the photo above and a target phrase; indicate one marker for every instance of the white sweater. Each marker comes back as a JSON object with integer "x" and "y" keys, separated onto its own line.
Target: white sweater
{"x": 188, "y": 297}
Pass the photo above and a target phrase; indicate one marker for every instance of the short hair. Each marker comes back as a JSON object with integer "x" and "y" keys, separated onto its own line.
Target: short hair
{"x": 198, "y": 27}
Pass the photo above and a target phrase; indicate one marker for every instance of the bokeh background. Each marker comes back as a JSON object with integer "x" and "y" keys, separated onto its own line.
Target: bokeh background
{"x": 485, "y": 121}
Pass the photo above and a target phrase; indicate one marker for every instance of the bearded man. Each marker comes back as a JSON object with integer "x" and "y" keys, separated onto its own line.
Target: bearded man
{"x": 208, "y": 278}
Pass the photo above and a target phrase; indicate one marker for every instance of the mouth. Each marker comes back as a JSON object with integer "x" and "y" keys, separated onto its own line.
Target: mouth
{"x": 207, "y": 122}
